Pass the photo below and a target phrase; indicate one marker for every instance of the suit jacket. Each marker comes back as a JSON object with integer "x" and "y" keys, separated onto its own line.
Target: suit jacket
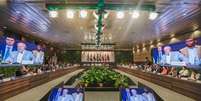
{"x": 174, "y": 57}
{"x": 3, "y": 49}
{"x": 28, "y": 56}
{"x": 150, "y": 97}
{"x": 67, "y": 97}
{"x": 138, "y": 97}
{"x": 79, "y": 97}
{"x": 184, "y": 51}
{"x": 38, "y": 59}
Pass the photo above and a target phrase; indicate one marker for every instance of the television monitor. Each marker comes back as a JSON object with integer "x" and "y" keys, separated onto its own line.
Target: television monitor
{"x": 183, "y": 53}
{"x": 15, "y": 51}
{"x": 136, "y": 94}
{"x": 66, "y": 94}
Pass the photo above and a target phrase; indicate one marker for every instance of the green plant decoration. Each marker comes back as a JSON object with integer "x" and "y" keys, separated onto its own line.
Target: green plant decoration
{"x": 102, "y": 75}
{"x": 121, "y": 81}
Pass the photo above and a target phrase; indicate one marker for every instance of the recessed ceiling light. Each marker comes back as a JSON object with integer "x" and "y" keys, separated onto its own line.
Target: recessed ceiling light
{"x": 83, "y": 13}
{"x": 70, "y": 14}
{"x": 18, "y": 12}
{"x": 153, "y": 15}
{"x": 4, "y": 27}
{"x": 81, "y": 28}
{"x": 120, "y": 15}
{"x": 151, "y": 42}
{"x": 53, "y": 14}
{"x": 135, "y": 14}
{"x": 172, "y": 35}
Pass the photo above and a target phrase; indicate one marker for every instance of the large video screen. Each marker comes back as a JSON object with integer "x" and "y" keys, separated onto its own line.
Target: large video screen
{"x": 66, "y": 94}
{"x": 184, "y": 53}
{"x": 15, "y": 51}
{"x": 136, "y": 94}
{"x": 97, "y": 56}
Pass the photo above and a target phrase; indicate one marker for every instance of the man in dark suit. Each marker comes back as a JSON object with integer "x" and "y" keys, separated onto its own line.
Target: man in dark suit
{"x": 7, "y": 47}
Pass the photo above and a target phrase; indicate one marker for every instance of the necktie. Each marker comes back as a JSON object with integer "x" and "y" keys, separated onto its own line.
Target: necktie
{"x": 160, "y": 57}
{"x": 7, "y": 53}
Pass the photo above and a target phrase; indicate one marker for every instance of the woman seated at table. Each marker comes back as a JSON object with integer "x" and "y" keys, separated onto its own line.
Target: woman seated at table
{"x": 39, "y": 71}
{"x": 164, "y": 71}
{"x": 149, "y": 69}
{"x": 195, "y": 75}
{"x": 22, "y": 71}
{"x": 184, "y": 72}
{"x": 173, "y": 72}
{"x": 157, "y": 69}
{"x": 31, "y": 72}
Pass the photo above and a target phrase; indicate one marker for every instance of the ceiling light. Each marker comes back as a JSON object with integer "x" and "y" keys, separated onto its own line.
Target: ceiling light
{"x": 151, "y": 42}
{"x": 135, "y": 14}
{"x": 110, "y": 38}
{"x": 153, "y": 15}
{"x": 85, "y": 37}
{"x": 120, "y": 14}
{"x": 172, "y": 35}
{"x": 70, "y": 14}
{"x": 4, "y": 27}
{"x": 152, "y": 46}
{"x": 83, "y": 14}
{"x": 53, "y": 14}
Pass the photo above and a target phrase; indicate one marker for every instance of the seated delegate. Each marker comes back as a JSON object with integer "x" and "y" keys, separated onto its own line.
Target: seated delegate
{"x": 21, "y": 56}
{"x": 171, "y": 56}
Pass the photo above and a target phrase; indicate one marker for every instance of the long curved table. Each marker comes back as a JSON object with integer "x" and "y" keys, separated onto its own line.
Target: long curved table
{"x": 188, "y": 88}
{"x": 14, "y": 87}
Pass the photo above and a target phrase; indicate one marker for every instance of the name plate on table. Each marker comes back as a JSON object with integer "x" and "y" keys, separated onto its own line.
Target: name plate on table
{"x": 27, "y": 62}
{"x": 178, "y": 63}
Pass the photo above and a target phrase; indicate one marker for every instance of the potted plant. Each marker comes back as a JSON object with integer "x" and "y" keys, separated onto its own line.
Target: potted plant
{"x": 122, "y": 81}
{"x": 84, "y": 80}
{"x": 99, "y": 79}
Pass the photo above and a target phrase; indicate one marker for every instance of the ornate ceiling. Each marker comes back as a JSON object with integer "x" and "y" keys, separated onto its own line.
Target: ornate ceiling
{"x": 32, "y": 18}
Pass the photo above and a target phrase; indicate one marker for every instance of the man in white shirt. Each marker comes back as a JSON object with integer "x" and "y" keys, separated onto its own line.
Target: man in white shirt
{"x": 148, "y": 96}
{"x": 21, "y": 56}
{"x": 78, "y": 96}
{"x": 192, "y": 52}
{"x": 65, "y": 96}
{"x": 135, "y": 96}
